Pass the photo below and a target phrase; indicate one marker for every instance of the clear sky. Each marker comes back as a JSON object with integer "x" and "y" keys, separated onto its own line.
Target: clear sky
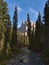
{"x": 26, "y": 6}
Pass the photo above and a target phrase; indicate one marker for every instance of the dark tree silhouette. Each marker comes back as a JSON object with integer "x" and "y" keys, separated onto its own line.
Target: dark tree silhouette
{"x": 14, "y": 32}
{"x": 38, "y": 33}
{"x": 46, "y": 21}
{"x": 4, "y": 23}
{"x": 32, "y": 38}
{"x": 29, "y": 29}
{"x": 7, "y": 33}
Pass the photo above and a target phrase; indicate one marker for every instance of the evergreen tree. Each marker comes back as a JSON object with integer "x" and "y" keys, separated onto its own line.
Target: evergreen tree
{"x": 2, "y": 27}
{"x": 7, "y": 33}
{"x": 46, "y": 22}
{"x": 32, "y": 38}
{"x": 14, "y": 32}
{"x": 3, "y": 20}
{"x": 29, "y": 29}
{"x": 38, "y": 33}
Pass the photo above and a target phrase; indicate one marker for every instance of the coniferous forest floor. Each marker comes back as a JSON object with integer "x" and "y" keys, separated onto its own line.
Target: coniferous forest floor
{"x": 23, "y": 57}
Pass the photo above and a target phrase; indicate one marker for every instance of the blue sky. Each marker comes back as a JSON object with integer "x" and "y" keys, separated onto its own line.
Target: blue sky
{"x": 26, "y": 6}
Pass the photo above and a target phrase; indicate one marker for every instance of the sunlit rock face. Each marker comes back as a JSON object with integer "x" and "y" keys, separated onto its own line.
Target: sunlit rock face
{"x": 24, "y": 28}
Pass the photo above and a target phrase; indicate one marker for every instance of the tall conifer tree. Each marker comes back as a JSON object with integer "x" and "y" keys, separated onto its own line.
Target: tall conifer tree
{"x": 46, "y": 21}
{"x": 14, "y": 32}
{"x": 29, "y": 29}
{"x": 3, "y": 20}
{"x": 38, "y": 33}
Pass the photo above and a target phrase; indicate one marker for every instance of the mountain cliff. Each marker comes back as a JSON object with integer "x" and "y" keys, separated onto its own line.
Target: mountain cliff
{"x": 24, "y": 26}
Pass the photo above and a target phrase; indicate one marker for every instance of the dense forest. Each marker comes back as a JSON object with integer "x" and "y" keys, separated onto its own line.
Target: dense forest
{"x": 38, "y": 41}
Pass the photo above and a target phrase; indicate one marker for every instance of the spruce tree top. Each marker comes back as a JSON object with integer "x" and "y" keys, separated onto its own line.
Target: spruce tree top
{"x": 28, "y": 18}
{"x": 39, "y": 19}
{"x": 46, "y": 13}
{"x": 48, "y": 3}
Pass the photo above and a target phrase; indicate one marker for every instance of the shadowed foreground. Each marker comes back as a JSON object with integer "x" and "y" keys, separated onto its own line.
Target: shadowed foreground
{"x": 26, "y": 58}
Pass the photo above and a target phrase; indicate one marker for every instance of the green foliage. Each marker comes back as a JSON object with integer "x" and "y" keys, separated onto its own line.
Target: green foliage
{"x": 5, "y": 25}
{"x": 4, "y": 58}
{"x": 46, "y": 21}
{"x": 2, "y": 27}
{"x": 46, "y": 53}
{"x": 8, "y": 32}
{"x": 14, "y": 32}
{"x": 32, "y": 38}
{"x": 29, "y": 28}
{"x": 38, "y": 40}
{"x": 38, "y": 33}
